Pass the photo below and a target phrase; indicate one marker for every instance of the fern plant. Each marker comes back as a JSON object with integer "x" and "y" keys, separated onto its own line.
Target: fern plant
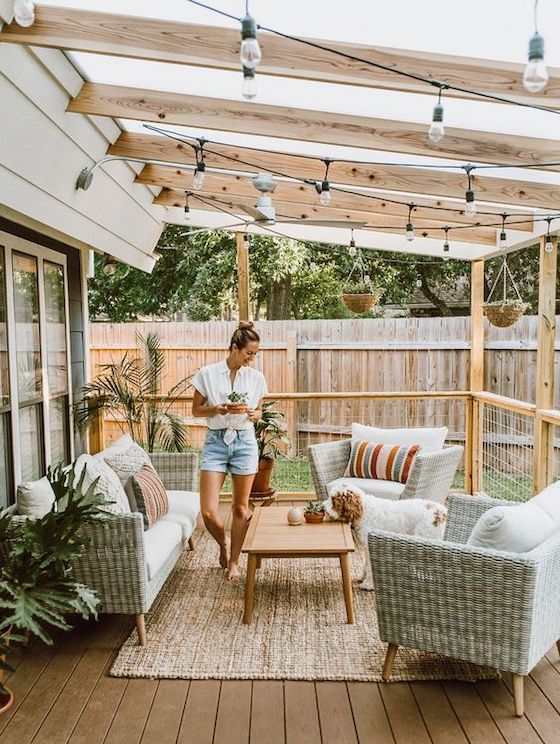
{"x": 130, "y": 391}
{"x": 37, "y": 590}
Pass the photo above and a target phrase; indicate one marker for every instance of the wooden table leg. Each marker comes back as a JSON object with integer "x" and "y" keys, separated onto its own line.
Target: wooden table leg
{"x": 347, "y": 585}
{"x": 250, "y": 588}
{"x": 259, "y": 561}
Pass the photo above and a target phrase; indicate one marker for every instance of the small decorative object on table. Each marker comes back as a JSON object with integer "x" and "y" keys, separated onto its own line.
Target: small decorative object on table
{"x": 295, "y": 516}
{"x": 237, "y": 402}
{"x": 314, "y": 512}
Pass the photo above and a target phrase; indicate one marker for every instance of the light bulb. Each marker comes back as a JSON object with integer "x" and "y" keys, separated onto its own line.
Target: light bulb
{"x": 549, "y": 245}
{"x": 187, "y": 213}
{"x": 250, "y": 53}
{"x": 352, "y": 249}
{"x": 325, "y": 197}
{"x": 446, "y": 247}
{"x": 110, "y": 268}
{"x": 436, "y": 131}
{"x": 313, "y": 266}
{"x": 535, "y": 76}
{"x": 503, "y": 240}
{"x": 470, "y": 209}
{"x": 409, "y": 231}
{"x": 198, "y": 178}
{"x": 419, "y": 283}
{"x": 24, "y": 12}
{"x": 249, "y": 86}
{"x": 367, "y": 278}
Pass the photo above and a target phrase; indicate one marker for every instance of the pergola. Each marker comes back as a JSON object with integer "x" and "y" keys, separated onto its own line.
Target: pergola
{"x": 135, "y": 71}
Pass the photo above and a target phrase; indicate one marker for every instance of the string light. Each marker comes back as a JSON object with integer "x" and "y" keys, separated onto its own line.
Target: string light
{"x": 250, "y": 52}
{"x": 503, "y": 235}
{"x": 409, "y": 225}
{"x": 352, "y": 247}
{"x": 249, "y": 87}
{"x": 535, "y": 76}
{"x": 470, "y": 209}
{"x": 436, "y": 131}
{"x": 187, "y": 208}
{"x": 198, "y": 178}
{"x": 548, "y": 243}
{"x": 446, "y": 244}
{"x": 324, "y": 188}
{"x": 109, "y": 267}
{"x": 24, "y": 12}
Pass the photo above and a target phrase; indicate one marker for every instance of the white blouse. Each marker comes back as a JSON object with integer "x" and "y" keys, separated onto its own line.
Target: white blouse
{"x": 214, "y": 383}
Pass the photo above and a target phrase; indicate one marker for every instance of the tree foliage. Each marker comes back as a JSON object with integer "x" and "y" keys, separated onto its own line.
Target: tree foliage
{"x": 197, "y": 275}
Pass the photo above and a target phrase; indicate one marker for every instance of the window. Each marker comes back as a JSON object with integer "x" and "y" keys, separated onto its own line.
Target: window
{"x": 5, "y": 408}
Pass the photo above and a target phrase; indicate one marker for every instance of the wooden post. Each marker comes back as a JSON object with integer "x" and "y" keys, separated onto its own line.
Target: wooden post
{"x": 474, "y": 431}
{"x": 291, "y": 387}
{"x": 97, "y": 435}
{"x": 544, "y": 394}
{"x": 242, "y": 276}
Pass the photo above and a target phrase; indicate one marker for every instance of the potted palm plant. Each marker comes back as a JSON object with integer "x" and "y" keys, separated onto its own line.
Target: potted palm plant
{"x": 270, "y": 431}
{"x": 37, "y": 591}
{"x": 130, "y": 391}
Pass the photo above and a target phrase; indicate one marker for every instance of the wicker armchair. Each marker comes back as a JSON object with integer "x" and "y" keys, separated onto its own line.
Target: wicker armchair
{"x": 474, "y": 604}
{"x": 115, "y": 563}
{"x": 430, "y": 477}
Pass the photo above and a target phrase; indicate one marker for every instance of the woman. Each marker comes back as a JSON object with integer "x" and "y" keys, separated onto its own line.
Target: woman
{"x": 230, "y": 442}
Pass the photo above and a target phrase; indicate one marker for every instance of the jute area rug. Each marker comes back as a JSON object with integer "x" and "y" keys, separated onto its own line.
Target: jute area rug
{"x": 298, "y": 631}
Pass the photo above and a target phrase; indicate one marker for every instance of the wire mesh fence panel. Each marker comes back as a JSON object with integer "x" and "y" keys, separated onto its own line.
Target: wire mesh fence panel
{"x": 554, "y": 454}
{"x": 507, "y": 454}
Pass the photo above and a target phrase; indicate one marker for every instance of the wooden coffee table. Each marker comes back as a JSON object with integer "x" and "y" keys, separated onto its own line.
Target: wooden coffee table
{"x": 270, "y": 536}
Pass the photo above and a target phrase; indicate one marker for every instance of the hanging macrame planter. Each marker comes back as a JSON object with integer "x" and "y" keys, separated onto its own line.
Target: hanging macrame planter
{"x": 507, "y": 310}
{"x": 360, "y": 295}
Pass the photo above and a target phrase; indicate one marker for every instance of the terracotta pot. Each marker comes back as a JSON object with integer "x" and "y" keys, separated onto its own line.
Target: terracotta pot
{"x": 237, "y": 407}
{"x": 6, "y": 701}
{"x": 261, "y": 483}
{"x": 313, "y": 518}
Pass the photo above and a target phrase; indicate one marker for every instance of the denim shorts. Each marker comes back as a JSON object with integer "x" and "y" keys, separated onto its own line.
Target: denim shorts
{"x": 241, "y": 457}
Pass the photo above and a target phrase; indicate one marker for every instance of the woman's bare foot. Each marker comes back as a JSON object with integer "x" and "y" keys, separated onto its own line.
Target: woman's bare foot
{"x": 224, "y": 554}
{"x": 233, "y": 572}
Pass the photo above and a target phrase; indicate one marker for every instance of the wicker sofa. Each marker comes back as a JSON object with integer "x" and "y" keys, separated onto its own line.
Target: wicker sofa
{"x": 430, "y": 476}
{"x": 480, "y": 605}
{"x": 127, "y": 565}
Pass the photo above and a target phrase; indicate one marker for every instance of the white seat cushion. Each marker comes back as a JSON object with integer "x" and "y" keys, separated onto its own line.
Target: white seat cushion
{"x": 183, "y": 509}
{"x": 159, "y": 541}
{"x": 381, "y": 488}
{"x": 430, "y": 439}
{"x": 519, "y": 528}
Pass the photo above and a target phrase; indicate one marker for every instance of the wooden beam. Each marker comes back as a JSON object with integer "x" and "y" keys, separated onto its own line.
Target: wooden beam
{"x": 375, "y": 220}
{"x": 475, "y": 417}
{"x": 234, "y": 185}
{"x": 212, "y": 46}
{"x": 307, "y": 125}
{"x": 155, "y": 147}
{"x": 242, "y": 276}
{"x": 544, "y": 394}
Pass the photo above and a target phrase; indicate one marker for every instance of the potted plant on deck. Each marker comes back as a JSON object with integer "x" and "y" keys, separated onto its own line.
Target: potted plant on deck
{"x": 37, "y": 591}
{"x": 130, "y": 391}
{"x": 270, "y": 431}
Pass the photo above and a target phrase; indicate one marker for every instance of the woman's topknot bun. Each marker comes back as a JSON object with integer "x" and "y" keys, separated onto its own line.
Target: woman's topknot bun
{"x": 243, "y": 334}
{"x": 245, "y": 325}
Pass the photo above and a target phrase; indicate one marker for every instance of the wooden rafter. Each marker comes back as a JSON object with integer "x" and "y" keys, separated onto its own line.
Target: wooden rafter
{"x": 211, "y": 46}
{"x": 154, "y": 147}
{"x": 308, "y": 125}
{"x": 409, "y": 181}
{"x": 375, "y": 220}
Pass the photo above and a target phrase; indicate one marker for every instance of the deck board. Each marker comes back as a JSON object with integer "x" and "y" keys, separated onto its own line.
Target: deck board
{"x": 335, "y": 713}
{"x": 437, "y": 713}
{"x": 370, "y": 717}
{"x": 267, "y": 712}
{"x": 406, "y": 721}
{"x": 234, "y": 706}
{"x": 199, "y": 715}
{"x": 477, "y": 723}
{"x": 301, "y": 713}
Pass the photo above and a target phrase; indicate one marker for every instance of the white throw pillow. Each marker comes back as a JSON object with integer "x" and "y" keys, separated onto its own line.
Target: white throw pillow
{"x": 516, "y": 529}
{"x": 429, "y": 439}
{"x": 108, "y": 485}
{"x": 119, "y": 445}
{"x": 127, "y": 462}
{"x": 35, "y": 498}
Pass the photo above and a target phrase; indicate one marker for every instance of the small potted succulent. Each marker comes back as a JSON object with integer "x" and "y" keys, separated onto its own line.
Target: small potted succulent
{"x": 314, "y": 512}
{"x": 237, "y": 402}
{"x": 361, "y": 296}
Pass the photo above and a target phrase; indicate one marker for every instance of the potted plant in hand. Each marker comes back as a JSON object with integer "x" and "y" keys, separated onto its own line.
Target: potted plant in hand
{"x": 237, "y": 402}
{"x": 270, "y": 431}
{"x": 314, "y": 512}
{"x": 37, "y": 590}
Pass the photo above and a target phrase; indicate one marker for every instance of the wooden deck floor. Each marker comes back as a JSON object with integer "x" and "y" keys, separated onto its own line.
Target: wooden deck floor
{"x": 63, "y": 695}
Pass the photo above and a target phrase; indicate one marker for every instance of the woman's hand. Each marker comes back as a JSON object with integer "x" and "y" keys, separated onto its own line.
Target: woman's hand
{"x": 221, "y": 409}
{"x": 254, "y": 414}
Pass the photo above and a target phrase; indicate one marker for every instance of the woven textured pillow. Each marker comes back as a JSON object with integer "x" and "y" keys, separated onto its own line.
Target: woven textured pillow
{"x": 150, "y": 494}
{"x": 127, "y": 462}
{"x": 381, "y": 461}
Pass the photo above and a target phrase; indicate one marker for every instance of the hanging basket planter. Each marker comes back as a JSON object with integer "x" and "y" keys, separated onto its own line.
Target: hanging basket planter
{"x": 506, "y": 311}
{"x": 503, "y": 314}
{"x": 361, "y": 302}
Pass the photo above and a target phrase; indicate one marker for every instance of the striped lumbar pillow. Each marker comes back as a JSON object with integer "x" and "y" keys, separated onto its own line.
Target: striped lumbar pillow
{"x": 150, "y": 494}
{"x": 382, "y": 461}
